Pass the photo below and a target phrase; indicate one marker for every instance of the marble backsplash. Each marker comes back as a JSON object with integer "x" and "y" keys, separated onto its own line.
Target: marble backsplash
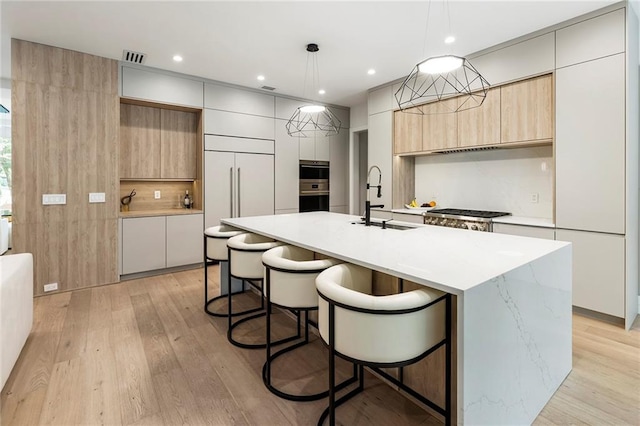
{"x": 499, "y": 180}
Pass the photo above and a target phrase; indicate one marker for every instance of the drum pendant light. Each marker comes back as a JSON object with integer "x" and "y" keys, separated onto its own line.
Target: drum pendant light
{"x": 441, "y": 77}
{"x": 312, "y": 118}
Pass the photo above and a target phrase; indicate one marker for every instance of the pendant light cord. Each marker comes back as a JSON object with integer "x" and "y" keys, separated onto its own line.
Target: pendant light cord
{"x": 426, "y": 31}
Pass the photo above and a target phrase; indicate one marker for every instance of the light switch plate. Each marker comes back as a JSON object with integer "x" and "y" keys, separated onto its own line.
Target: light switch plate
{"x": 156, "y": 195}
{"x": 50, "y": 199}
{"x": 96, "y": 197}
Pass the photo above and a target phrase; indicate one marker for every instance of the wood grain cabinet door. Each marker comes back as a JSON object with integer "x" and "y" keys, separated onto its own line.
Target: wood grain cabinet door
{"x": 481, "y": 125}
{"x": 139, "y": 142}
{"x": 440, "y": 125}
{"x": 178, "y": 144}
{"x": 527, "y": 110}
{"x": 407, "y": 132}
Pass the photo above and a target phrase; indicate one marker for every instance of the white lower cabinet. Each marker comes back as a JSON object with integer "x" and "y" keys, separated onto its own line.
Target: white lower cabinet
{"x": 598, "y": 270}
{"x": 158, "y": 242}
{"x": 144, "y": 241}
{"x": 524, "y": 231}
{"x": 184, "y": 240}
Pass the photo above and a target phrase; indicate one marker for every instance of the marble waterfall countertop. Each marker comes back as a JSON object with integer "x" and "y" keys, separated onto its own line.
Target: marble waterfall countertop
{"x": 513, "y": 301}
{"x": 451, "y": 260}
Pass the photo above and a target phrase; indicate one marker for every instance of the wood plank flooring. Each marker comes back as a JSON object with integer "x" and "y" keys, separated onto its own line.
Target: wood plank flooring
{"x": 143, "y": 352}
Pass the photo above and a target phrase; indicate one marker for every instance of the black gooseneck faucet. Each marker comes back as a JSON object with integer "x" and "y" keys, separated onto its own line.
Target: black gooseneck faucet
{"x": 367, "y": 205}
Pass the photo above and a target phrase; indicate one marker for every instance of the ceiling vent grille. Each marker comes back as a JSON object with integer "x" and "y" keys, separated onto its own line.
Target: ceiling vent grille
{"x": 133, "y": 57}
{"x": 268, "y": 88}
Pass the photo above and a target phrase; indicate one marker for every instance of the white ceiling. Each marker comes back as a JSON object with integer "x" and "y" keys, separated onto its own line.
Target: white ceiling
{"x": 234, "y": 41}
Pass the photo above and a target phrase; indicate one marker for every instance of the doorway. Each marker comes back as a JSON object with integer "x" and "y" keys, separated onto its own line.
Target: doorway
{"x": 359, "y": 166}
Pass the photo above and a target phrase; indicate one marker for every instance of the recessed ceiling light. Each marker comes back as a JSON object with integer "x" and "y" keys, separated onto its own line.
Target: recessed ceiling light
{"x": 177, "y": 58}
{"x": 261, "y": 77}
{"x": 321, "y": 91}
{"x": 449, "y": 39}
{"x": 371, "y": 71}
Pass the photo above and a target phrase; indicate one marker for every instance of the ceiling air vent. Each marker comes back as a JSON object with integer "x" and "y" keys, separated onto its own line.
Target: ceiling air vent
{"x": 268, "y": 88}
{"x": 133, "y": 57}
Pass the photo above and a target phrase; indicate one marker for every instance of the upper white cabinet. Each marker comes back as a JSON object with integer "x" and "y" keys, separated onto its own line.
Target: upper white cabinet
{"x": 286, "y": 169}
{"x": 235, "y": 124}
{"x": 590, "y": 146}
{"x": 163, "y": 88}
{"x": 230, "y": 144}
{"x": 237, "y": 100}
{"x": 381, "y": 100}
{"x": 598, "y": 270}
{"x": 527, "y": 58}
{"x": 591, "y": 39}
{"x": 285, "y": 107}
{"x": 316, "y": 147}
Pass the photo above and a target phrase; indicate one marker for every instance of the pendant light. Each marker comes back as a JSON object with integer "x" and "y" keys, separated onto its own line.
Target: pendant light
{"x": 309, "y": 119}
{"x": 441, "y": 77}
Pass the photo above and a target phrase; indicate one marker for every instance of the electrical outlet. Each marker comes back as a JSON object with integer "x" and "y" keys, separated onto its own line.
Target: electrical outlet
{"x": 535, "y": 197}
{"x": 156, "y": 195}
{"x": 50, "y": 287}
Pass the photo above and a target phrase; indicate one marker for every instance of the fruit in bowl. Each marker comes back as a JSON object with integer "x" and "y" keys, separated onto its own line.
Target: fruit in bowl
{"x": 429, "y": 204}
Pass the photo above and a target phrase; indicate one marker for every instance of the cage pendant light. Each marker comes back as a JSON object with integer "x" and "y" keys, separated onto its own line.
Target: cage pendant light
{"x": 309, "y": 119}
{"x": 441, "y": 77}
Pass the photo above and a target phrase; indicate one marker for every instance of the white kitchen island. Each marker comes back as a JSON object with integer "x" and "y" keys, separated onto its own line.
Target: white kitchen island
{"x": 513, "y": 301}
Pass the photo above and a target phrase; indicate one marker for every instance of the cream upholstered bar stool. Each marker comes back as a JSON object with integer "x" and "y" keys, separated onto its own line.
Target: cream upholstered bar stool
{"x": 290, "y": 283}
{"x": 245, "y": 263}
{"x": 380, "y": 331}
{"x": 215, "y": 250}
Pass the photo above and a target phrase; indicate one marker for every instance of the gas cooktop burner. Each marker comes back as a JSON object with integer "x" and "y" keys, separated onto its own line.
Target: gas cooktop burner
{"x": 468, "y": 213}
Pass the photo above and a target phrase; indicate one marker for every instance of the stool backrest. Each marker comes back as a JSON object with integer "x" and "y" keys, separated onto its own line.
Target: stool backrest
{"x": 378, "y": 329}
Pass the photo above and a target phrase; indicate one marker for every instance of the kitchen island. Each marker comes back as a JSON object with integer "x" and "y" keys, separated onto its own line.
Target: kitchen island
{"x": 513, "y": 297}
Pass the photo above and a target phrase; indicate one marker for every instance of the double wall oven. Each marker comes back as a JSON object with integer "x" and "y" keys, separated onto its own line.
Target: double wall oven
{"x": 314, "y": 186}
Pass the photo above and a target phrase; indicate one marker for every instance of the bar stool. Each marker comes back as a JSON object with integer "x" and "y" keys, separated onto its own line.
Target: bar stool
{"x": 245, "y": 263}
{"x": 380, "y": 331}
{"x": 215, "y": 250}
{"x": 290, "y": 283}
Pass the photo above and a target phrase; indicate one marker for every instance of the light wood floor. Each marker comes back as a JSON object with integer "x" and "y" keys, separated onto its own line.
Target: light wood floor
{"x": 143, "y": 353}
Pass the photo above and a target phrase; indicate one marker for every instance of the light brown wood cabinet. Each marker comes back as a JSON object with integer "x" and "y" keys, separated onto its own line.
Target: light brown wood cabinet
{"x": 480, "y": 126}
{"x": 139, "y": 142}
{"x": 407, "y": 131}
{"x": 440, "y": 125}
{"x": 157, "y": 143}
{"x": 516, "y": 113}
{"x": 527, "y": 110}
{"x": 178, "y": 144}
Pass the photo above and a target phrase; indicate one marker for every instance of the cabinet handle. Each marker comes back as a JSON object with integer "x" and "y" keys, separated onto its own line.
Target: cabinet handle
{"x": 239, "y": 214}
{"x": 230, "y": 191}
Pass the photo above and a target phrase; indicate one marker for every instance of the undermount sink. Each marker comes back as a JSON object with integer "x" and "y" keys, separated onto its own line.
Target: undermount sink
{"x": 387, "y": 225}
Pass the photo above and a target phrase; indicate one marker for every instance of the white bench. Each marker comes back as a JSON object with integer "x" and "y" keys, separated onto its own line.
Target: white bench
{"x": 16, "y": 309}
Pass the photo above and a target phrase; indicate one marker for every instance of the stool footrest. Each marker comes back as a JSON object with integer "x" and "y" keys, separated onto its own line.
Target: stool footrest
{"x": 224, "y": 315}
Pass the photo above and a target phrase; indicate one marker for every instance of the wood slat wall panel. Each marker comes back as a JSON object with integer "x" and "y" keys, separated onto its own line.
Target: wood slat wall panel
{"x": 65, "y": 139}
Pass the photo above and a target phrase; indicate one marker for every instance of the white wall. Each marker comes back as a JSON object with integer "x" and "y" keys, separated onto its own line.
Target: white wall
{"x": 358, "y": 116}
{"x": 501, "y": 180}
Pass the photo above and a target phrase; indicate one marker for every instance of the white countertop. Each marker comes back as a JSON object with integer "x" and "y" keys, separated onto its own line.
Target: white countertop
{"x": 525, "y": 221}
{"x": 452, "y": 260}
